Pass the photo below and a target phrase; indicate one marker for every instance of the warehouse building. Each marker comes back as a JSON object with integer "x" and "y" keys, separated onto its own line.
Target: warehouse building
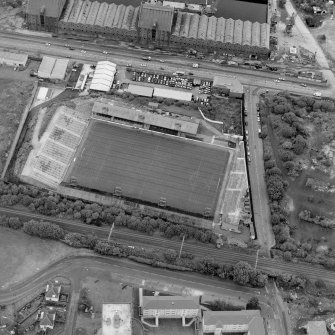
{"x": 144, "y": 91}
{"x": 44, "y": 14}
{"x": 53, "y": 68}
{"x": 169, "y": 93}
{"x": 228, "y": 85}
{"x": 13, "y": 59}
{"x": 103, "y": 76}
{"x": 162, "y": 25}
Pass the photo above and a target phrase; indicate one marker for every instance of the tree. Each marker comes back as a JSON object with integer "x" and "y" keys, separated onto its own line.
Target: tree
{"x": 220, "y": 305}
{"x": 287, "y": 256}
{"x": 288, "y": 131}
{"x": 241, "y": 273}
{"x": 299, "y": 145}
{"x": 44, "y": 230}
{"x": 320, "y": 284}
{"x": 286, "y": 155}
{"x": 253, "y": 303}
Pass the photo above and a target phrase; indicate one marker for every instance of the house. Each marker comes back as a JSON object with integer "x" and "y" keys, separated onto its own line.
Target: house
{"x": 47, "y": 320}
{"x": 52, "y": 292}
{"x": 243, "y": 322}
{"x": 169, "y": 307}
{"x": 316, "y": 328}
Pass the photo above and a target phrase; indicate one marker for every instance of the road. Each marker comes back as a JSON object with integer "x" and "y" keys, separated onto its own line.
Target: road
{"x": 79, "y": 267}
{"x": 260, "y": 201}
{"x": 124, "y": 55}
{"x": 226, "y": 256}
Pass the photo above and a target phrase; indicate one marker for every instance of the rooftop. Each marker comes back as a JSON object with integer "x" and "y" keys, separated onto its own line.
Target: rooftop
{"x": 157, "y": 16}
{"x": 316, "y": 328}
{"x": 233, "y": 84}
{"x": 170, "y": 302}
{"x": 19, "y": 58}
{"x": 250, "y": 320}
{"x": 51, "y": 8}
{"x": 116, "y": 319}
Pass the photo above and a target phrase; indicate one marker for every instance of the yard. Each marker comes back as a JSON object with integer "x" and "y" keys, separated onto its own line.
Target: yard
{"x": 21, "y": 255}
{"x": 149, "y": 167}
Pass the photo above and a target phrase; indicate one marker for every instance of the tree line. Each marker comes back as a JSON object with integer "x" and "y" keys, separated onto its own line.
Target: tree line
{"x": 149, "y": 221}
{"x": 241, "y": 273}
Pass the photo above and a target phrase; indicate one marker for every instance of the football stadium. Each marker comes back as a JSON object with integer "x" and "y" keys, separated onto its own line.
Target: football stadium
{"x": 151, "y": 167}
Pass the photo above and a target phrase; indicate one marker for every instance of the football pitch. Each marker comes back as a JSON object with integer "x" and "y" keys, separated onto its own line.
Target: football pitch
{"x": 148, "y": 167}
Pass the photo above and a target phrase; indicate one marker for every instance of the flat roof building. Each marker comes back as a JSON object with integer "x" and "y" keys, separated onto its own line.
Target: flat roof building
{"x": 227, "y": 322}
{"x": 169, "y": 93}
{"x": 316, "y": 328}
{"x": 116, "y": 319}
{"x": 13, "y": 59}
{"x": 144, "y": 91}
{"x": 232, "y": 86}
{"x": 53, "y": 68}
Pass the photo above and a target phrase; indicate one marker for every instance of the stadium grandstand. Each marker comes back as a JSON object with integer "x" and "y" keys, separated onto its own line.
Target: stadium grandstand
{"x": 122, "y": 113}
{"x": 159, "y": 25}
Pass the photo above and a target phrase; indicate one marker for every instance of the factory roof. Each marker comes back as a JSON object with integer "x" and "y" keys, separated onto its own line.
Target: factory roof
{"x": 93, "y": 13}
{"x": 85, "y": 10}
{"x": 144, "y": 91}
{"x": 59, "y": 69}
{"x": 172, "y": 94}
{"x": 156, "y": 15}
{"x": 211, "y": 28}
{"x": 249, "y": 321}
{"x": 202, "y": 29}
{"x": 51, "y": 8}
{"x": 170, "y": 302}
{"x": 46, "y": 66}
{"x": 103, "y": 76}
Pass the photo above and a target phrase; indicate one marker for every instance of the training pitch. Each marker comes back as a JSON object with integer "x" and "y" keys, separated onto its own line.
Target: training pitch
{"x": 149, "y": 166}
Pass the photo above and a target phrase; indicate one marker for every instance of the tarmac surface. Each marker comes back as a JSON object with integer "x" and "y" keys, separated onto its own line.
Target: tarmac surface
{"x": 149, "y": 166}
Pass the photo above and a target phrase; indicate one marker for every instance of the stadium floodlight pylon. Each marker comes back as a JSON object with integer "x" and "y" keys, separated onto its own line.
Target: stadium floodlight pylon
{"x": 162, "y": 202}
{"x": 118, "y": 191}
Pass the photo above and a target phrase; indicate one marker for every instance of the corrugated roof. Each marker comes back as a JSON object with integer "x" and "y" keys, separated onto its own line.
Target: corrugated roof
{"x": 119, "y": 15}
{"x": 156, "y": 15}
{"x": 59, "y": 69}
{"x": 202, "y": 29}
{"x": 46, "y": 66}
{"x": 250, "y": 320}
{"x": 220, "y": 29}
{"x": 170, "y": 302}
{"x": 111, "y": 11}
{"x": 52, "y": 8}
{"x": 85, "y": 9}
{"x": 93, "y": 13}
{"x": 246, "y": 38}
{"x": 194, "y": 24}
{"x": 255, "y": 34}
{"x": 133, "y": 25}
{"x": 13, "y": 57}
{"x": 103, "y": 76}
{"x": 68, "y": 10}
{"x": 185, "y": 25}
{"x": 238, "y": 31}
{"x": 177, "y": 26}
{"x": 265, "y": 32}
{"x": 229, "y": 33}
{"x": 144, "y": 91}
{"x": 211, "y": 28}
{"x": 76, "y": 9}
{"x": 128, "y": 16}
{"x": 100, "y": 19}
{"x": 172, "y": 94}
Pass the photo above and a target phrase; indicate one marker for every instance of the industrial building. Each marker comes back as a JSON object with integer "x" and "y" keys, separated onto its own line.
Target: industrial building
{"x": 44, "y": 14}
{"x": 144, "y": 91}
{"x": 13, "y": 59}
{"x": 227, "y": 322}
{"x": 53, "y": 68}
{"x": 158, "y": 25}
{"x": 228, "y": 85}
{"x": 118, "y": 112}
{"x": 103, "y": 76}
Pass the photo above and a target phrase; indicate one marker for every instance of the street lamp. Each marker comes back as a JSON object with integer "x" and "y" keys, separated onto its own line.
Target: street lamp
{"x": 181, "y": 247}
{"x": 110, "y": 232}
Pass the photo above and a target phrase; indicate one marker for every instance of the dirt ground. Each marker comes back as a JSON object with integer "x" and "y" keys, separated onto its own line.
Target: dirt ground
{"x": 327, "y": 29}
{"x": 13, "y": 98}
{"x": 21, "y": 255}
{"x": 10, "y": 18}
